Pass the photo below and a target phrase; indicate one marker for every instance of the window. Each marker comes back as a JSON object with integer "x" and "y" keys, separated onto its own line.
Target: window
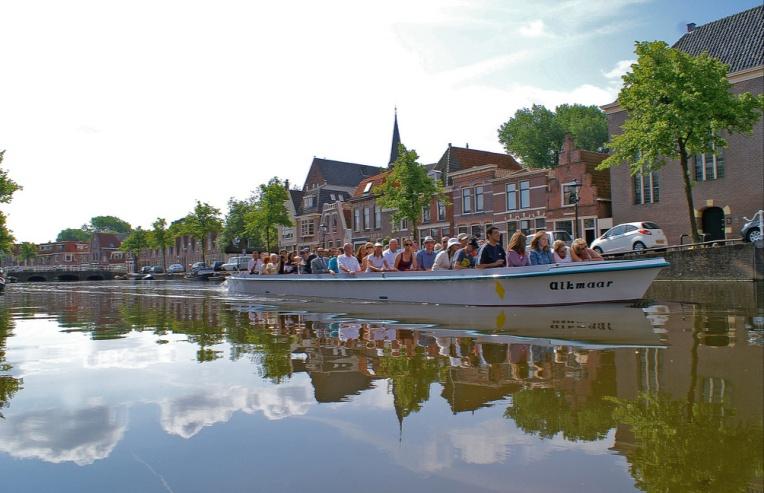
{"x": 564, "y": 226}
{"x": 567, "y": 190}
{"x": 357, "y": 219}
{"x": 646, "y": 188}
{"x": 479, "y": 204}
{"x": 307, "y": 228}
{"x": 333, "y": 222}
{"x": 425, "y": 214}
{"x": 332, "y": 196}
{"x": 463, "y": 229}
{"x": 477, "y": 231}
{"x": 366, "y": 218}
{"x": 525, "y": 194}
{"x": 441, "y": 211}
{"x": 525, "y": 226}
{"x": 540, "y": 223}
{"x": 367, "y": 188}
{"x": 309, "y": 201}
{"x": 709, "y": 166}
{"x": 466, "y": 200}
{"x": 377, "y": 218}
{"x": 511, "y": 196}
{"x": 511, "y": 227}
{"x": 404, "y": 224}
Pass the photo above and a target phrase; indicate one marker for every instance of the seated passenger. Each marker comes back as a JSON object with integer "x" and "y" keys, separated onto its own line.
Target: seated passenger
{"x": 491, "y": 254}
{"x": 333, "y": 267}
{"x": 406, "y": 260}
{"x": 560, "y": 252}
{"x": 425, "y": 257}
{"x": 347, "y": 261}
{"x": 376, "y": 261}
{"x": 320, "y": 264}
{"x": 464, "y": 258}
{"x": 579, "y": 252}
{"x": 364, "y": 251}
{"x": 444, "y": 259}
{"x": 541, "y": 254}
{"x": 516, "y": 255}
{"x": 391, "y": 252}
{"x": 273, "y": 266}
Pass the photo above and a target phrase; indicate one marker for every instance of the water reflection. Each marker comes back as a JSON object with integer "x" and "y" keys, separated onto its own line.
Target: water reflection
{"x": 658, "y": 385}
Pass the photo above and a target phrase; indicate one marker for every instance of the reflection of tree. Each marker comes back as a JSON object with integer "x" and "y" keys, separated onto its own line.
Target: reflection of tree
{"x": 411, "y": 377}
{"x": 546, "y": 412}
{"x": 703, "y": 450}
{"x": 273, "y": 352}
{"x": 8, "y": 384}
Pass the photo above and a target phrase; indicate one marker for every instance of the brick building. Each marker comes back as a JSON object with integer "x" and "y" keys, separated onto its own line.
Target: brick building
{"x": 62, "y": 253}
{"x": 728, "y": 184}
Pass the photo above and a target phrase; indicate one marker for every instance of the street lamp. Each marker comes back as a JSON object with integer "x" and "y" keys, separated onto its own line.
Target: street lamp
{"x": 323, "y": 229}
{"x": 574, "y": 199}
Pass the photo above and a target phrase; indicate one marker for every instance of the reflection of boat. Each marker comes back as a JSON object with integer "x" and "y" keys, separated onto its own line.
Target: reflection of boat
{"x": 557, "y": 284}
{"x": 608, "y": 324}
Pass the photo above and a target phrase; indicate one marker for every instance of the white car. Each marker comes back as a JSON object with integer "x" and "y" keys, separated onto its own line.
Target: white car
{"x": 630, "y": 237}
{"x": 236, "y": 263}
{"x": 175, "y": 268}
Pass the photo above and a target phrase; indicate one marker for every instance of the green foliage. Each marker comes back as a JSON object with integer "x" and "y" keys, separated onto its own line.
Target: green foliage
{"x": 27, "y": 251}
{"x": 159, "y": 237}
{"x": 269, "y": 210}
{"x": 697, "y": 448}
{"x": 6, "y": 236}
{"x": 411, "y": 377}
{"x": 535, "y": 135}
{"x": 7, "y": 188}
{"x": 677, "y": 105}
{"x": 234, "y": 225}
{"x": 8, "y": 384}
{"x": 111, "y": 224}
{"x": 137, "y": 240}
{"x": 74, "y": 234}
{"x": 407, "y": 189}
{"x": 202, "y": 221}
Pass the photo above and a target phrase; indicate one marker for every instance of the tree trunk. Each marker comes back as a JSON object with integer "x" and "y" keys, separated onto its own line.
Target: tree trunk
{"x": 688, "y": 194}
{"x": 415, "y": 232}
{"x": 268, "y": 239}
{"x": 204, "y": 256}
{"x": 164, "y": 260}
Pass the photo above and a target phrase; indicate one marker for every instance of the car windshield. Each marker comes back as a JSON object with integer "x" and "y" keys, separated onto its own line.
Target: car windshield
{"x": 562, "y": 235}
{"x": 650, "y": 226}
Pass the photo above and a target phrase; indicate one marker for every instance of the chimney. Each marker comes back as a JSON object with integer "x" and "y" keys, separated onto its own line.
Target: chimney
{"x": 286, "y": 183}
{"x": 449, "y": 145}
{"x": 467, "y": 145}
{"x": 690, "y": 27}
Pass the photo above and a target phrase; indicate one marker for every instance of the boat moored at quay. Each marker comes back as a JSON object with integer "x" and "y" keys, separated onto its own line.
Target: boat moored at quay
{"x": 538, "y": 285}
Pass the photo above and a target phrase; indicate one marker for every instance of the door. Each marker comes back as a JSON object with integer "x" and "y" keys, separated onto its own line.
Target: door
{"x": 713, "y": 223}
{"x": 611, "y": 239}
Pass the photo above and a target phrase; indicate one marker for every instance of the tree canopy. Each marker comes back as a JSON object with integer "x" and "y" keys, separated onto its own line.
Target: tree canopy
{"x": 7, "y": 188}
{"x": 202, "y": 221}
{"x": 109, "y": 223}
{"x": 407, "y": 188}
{"x": 235, "y": 225}
{"x": 74, "y": 234}
{"x": 159, "y": 237}
{"x": 678, "y": 105}
{"x": 269, "y": 210}
{"x": 535, "y": 135}
{"x": 27, "y": 251}
{"x": 136, "y": 241}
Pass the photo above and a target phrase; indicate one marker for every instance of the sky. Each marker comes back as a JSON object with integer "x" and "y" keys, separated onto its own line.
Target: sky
{"x": 138, "y": 109}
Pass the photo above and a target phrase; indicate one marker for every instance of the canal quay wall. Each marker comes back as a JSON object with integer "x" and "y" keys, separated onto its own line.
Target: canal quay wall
{"x": 739, "y": 262}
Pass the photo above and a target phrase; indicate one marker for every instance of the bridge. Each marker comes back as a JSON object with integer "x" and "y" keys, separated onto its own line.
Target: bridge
{"x": 64, "y": 273}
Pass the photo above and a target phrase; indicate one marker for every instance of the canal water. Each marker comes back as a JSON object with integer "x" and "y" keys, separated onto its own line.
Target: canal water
{"x": 180, "y": 387}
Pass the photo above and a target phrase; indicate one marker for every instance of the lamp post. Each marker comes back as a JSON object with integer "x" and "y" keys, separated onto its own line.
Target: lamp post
{"x": 574, "y": 199}
{"x": 323, "y": 229}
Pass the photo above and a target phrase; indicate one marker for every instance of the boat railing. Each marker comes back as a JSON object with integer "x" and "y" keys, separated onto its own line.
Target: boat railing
{"x": 676, "y": 248}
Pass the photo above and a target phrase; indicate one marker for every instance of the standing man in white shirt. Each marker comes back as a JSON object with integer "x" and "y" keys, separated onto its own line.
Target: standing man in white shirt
{"x": 391, "y": 252}
{"x": 347, "y": 261}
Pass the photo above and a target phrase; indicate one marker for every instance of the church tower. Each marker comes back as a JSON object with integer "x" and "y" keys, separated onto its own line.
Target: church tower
{"x": 396, "y": 141}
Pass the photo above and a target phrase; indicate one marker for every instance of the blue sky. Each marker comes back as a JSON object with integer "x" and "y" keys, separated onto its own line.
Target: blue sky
{"x": 137, "y": 109}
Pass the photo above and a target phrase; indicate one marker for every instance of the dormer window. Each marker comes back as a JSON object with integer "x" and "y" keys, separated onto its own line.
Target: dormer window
{"x": 309, "y": 202}
{"x": 367, "y": 188}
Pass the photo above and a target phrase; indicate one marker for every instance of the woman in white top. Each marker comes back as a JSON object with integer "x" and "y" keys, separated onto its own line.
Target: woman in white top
{"x": 444, "y": 257}
{"x": 376, "y": 261}
{"x": 560, "y": 252}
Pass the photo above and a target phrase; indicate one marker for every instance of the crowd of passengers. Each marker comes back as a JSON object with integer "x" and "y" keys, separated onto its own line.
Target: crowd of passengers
{"x": 462, "y": 252}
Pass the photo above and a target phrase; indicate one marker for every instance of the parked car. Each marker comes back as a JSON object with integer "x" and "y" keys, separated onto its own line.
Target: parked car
{"x": 629, "y": 237}
{"x": 146, "y": 269}
{"x": 157, "y": 269}
{"x": 197, "y": 266}
{"x": 752, "y": 229}
{"x": 552, "y": 236}
{"x": 236, "y": 263}
{"x": 216, "y": 265}
{"x": 175, "y": 268}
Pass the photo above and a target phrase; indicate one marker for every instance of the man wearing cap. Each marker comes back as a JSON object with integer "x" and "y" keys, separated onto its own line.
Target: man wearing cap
{"x": 425, "y": 258}
{"x": 463, "y": 238}
{"x": 491, "y": 254}
{"x": 376, "y": 262}
{"x": 444, "y": 257}
{"x": 465, "y": 258}
{"x": 320, "y": 264}
{"x": 390, "y": 253}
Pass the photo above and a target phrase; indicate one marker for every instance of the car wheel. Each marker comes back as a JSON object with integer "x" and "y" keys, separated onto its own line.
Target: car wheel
{"x": 598, "y": 250}
{"x": 753, "y": 235}
{"x": 639, "y": 246}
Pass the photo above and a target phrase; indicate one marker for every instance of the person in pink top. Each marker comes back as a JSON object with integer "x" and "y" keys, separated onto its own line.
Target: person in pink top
{"x": 516, "y": 256}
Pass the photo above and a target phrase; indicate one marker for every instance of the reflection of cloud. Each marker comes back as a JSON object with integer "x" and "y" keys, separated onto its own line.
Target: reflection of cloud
{"x": 81, "y": 436}
{"x": 186, "y": 416}
{"x": 485, "y": 443}
{"x": 143, "y": 353}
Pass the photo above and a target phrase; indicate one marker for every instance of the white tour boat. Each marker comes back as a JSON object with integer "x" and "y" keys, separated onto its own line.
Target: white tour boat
{"x": 556, "y": 284}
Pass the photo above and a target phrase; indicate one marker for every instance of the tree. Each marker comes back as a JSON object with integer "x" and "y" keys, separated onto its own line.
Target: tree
{"x": 234, "y": 226}
{"x": 136, "y": 241}
{"x": 677, "y": 104}
{"x": 269, "y": 211}
{"x": 408, "y": 189}
{"x": 27, "y": 251}
{"x": 160, "y": 237}
{"x": 536, "y": 135}
{"x": 74, "y": 234}
{"x": 202, "y": 221}
{"x": 109, "y": 223}
{"x": 7, "y": 188}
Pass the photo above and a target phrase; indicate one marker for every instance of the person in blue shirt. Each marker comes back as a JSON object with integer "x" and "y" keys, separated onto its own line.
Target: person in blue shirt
{"x": 541, "y": 254}
{"x": 492, "y": 254}
{"x": 332, "y": 264}
{"x": 465, "y": 258}
{"x": 425, "y": 257}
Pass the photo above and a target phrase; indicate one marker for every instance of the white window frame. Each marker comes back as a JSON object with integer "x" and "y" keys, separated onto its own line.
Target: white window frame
{"x": 377, "y": 217}
{"x": 441, "y": 211}
{"x": 641, "y": 178}
{"x": 513, "y": 194}
{"x": 466, "y": 201}
{"x": 479, "y": 206}
{"x": 523, "y": 192}
{"x": 566, "y": 196}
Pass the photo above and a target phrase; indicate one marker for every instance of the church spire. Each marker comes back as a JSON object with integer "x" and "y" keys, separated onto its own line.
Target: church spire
{"x": 396, "y": 140}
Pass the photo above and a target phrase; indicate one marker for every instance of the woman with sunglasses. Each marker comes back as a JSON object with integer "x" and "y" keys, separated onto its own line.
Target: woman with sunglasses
{"x": 406, "y": 260}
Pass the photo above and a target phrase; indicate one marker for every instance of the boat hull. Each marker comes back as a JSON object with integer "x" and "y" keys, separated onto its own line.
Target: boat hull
{"x": 558, "y": 284}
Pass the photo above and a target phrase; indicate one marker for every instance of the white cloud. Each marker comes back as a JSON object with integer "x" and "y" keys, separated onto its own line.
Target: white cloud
{"x": 619, "y": 70}
{"x": 533, "y": 29}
